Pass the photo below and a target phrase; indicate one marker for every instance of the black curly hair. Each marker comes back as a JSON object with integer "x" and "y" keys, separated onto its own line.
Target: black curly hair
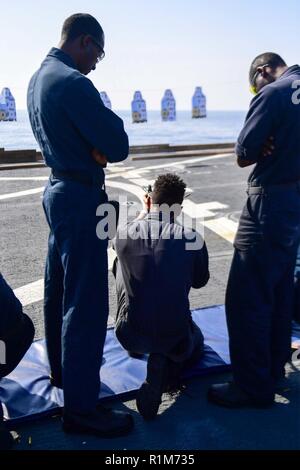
{"x": 168, "y": 189}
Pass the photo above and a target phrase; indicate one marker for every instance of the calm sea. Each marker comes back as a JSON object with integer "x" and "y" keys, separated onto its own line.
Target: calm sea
{"x": 219, "y": 126}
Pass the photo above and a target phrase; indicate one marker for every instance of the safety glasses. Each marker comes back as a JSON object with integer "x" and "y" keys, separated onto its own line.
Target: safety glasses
{"x": 253, "y": 86}
{"x": 101, "y": 53}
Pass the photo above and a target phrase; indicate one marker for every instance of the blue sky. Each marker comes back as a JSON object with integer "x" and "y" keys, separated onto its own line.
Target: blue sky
{"x": 151, "y": 46}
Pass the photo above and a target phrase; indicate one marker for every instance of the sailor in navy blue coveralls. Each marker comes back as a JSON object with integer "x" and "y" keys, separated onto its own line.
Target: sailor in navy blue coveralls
{"x": 69, "y": 120}
{"x": 259, "y": 297}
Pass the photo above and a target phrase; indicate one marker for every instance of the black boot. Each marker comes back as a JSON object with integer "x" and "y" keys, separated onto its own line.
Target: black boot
{"x": 230, "y": 395}
{"x": 149, "y": 395}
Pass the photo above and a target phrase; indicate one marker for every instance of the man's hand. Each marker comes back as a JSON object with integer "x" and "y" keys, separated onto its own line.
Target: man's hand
{"x": 268, "y": 147}
{"x": 99, "y": 158}
{"x": 147, "y": 203}
{"x": 244, "y": 163}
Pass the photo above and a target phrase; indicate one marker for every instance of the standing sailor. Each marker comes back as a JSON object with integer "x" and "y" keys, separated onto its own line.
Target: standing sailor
{"x": 16, "y": 335}
{"x": 69, "y": 121}
{"x": 259, "y": 298}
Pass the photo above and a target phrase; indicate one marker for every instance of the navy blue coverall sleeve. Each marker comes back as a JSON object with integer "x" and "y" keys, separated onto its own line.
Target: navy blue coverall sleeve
{"x": 98, "y": 125}
{"x": 261, "y": 122}
{"x": 201, "y": 272}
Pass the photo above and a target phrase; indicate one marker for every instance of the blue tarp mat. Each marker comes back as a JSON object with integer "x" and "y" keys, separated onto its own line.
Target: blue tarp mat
{"x": 27, "y": 393}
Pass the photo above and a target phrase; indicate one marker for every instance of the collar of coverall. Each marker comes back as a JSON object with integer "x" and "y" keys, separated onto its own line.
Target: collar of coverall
{"x": 62, "y": 56}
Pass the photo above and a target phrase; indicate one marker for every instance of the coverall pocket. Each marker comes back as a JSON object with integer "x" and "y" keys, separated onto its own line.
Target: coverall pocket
{"x": 250, "y": 231}
{"x": 282, "y": 225}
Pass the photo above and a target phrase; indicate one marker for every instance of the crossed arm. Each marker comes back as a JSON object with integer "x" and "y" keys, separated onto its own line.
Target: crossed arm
{"x": 100, "y": 127}
{"x": 267, "y": 150}
{"x": 256, "y": 140}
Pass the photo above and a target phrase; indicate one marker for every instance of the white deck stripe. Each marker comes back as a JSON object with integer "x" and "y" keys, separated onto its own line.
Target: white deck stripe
{"x": 28, "y": 192}
{"x": 30, "y": 293}
{"x": 130, "y": 188}
{"x": 34, "y": 292}
{"x": 184, "y": 162}
{"x": 111, "y": 257}
{"x": 141, "y": 182}
{"x": 24, "y": 178}
{"x": 202, "y": 210}
{"x": 136, "y": 173}
{"x": 223, "y": 227}
{"x": 114, "y": 168}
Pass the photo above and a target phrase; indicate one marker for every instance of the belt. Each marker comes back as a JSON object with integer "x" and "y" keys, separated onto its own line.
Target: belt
{"x": 253, "y": 189}
{"x": 90, "y": 180}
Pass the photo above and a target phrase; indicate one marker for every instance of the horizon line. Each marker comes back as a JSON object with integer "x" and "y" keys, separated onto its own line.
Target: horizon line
{"x": 185, "y": 110}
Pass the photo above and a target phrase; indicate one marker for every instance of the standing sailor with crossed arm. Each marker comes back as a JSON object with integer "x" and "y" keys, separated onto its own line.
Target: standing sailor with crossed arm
{"x": 69, "y": 122}
{"x": 259, "y": 297}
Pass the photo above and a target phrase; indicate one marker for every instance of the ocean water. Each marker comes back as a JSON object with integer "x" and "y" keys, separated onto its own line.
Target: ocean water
{"x": 219, "y": 126}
